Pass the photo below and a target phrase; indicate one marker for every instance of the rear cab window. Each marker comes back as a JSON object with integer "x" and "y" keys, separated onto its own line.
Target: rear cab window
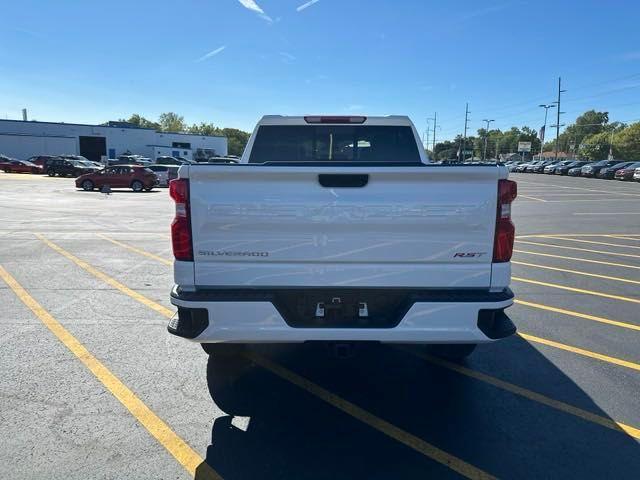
{"x": 365, "y": 144}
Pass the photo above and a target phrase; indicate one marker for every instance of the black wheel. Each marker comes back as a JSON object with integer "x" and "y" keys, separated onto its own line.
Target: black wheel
{"x": 87, "y": 185}
{"x": 51, "y": 173}
{"x": 137, "y": 186}
{"x": 456, "y": 351}
{"x": 223, "y": 349}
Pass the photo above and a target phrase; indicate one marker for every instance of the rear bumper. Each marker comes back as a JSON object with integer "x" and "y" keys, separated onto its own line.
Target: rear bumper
{"x": 252, "y": 315}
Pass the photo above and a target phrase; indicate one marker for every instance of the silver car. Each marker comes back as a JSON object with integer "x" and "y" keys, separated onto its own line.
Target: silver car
{"x": 165, "y": 173}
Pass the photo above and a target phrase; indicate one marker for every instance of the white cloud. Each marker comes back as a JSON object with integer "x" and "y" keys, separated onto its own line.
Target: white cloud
{"x": 212, "y": 53}
{"x": 287, "y": 57}
{"x": 254, "y": 7}
{"x": 306, "y": 5}
{"x": 355, "y": 107}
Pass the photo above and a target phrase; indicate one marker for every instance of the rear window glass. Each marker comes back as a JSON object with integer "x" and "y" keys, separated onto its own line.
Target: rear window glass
{"x": 335, "y": 143}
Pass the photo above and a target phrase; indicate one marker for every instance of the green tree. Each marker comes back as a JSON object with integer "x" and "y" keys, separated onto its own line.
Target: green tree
{"x": 595, "y": 147}
{"x": 171, "y": 122}
{"x": 626, "y": 143}
{"x": 237, "y": 140}
{"x": 205, "y": 129}
{"x": 142, "y": 122}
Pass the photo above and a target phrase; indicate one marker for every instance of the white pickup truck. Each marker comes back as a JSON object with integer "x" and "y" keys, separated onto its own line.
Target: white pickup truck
{"x": 340, "y": 229}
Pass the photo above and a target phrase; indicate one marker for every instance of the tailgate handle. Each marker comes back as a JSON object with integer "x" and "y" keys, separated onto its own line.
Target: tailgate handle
{"x": 343, "y": 180}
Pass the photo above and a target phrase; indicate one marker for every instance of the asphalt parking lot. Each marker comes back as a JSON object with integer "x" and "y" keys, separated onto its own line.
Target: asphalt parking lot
{"x": 93, "y": 386}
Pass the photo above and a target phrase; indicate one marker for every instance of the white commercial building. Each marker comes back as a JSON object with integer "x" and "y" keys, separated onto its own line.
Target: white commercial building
{"x": 23, "y": 139}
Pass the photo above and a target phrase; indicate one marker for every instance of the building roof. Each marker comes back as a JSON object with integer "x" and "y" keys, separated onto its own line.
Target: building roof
{"x": 114, "y": 124}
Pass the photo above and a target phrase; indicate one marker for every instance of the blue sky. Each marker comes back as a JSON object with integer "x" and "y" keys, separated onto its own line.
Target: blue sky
{"x": 231, "y": 61}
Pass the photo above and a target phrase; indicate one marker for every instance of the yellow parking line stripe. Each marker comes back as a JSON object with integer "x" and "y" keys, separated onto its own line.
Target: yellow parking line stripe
{"x": 107, "y": 279}
{"x": 175, "y": 445}
{"x": 600, "y": 262}
{"x": 578, "y": 249}
{"x": 571, "y": 313}
{"x": 561, "y": 346}
{"x": 553, "y": 235}
{"x": 134, "y": 249}
{"x": 406, "y": 438}
{"x": 580, "y": 351}
{"x": 625, "y": 193}
{"x": 594, "y": 242}
{"x": 576, "y": 272}
{"x": 370, "y": 419}
{"x": 621, "y": 237}
{"x": 576, "y": 290}
{"x": 531, "y": 198}
{"x": 529, "y": 394}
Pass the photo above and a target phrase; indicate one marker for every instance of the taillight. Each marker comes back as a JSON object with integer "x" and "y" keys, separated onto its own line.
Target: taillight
{"x": 181, "y": 225}
{"x": 505, "y": 231}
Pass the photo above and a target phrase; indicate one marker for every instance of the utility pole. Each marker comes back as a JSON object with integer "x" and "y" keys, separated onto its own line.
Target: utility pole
{"x": 435, "y": 119}
{"x": 558, "y": 113}
{"x": 486, "y": 135}
{"x": 611, "y": 146}
{"x": 464, "y": 137}
{"x": 544, "y": 128}
{"x": 425, "y": 135}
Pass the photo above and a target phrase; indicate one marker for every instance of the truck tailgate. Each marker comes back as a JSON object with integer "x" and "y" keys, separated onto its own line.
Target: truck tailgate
{"x": 430, "y": 226}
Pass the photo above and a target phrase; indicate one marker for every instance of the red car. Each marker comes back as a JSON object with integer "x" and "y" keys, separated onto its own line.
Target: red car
{"x": 136, "y": 177}
{"x": 626, "y": 173}
{"x": 20, "y": 166}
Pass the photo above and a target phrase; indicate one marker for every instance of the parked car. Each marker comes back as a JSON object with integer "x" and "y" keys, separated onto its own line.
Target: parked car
{"x": 592, "y": 169}
{"x": 165, "y": 173}
{"x": 574, "y": 167}
{"x": 539, "y": 168}
{"x": 636, "y": 175}
{"x": 136, "y": 177}
{"x": 627, "y": 172}
{"x": 41, "y": 159}
{"x": 4, "y": 160}
{"x": 167, "y": 160}
{"x": 130, "y": 160}
{"x": 551, "y": 168}
{"x": 67, "y": 168}
{"x": 522, "y": 168}
{"x": 20, "y": 166}
{"x": 222, "y": 160}
{"x": 609, "y": 172}
{"x": 79, "y": 158}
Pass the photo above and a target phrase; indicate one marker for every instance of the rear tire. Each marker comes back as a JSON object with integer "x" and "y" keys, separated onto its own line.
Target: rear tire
{"x": 137, "y": 186}
{"x": 51, "y": 173}
{"x": 458, "y": 351}
{"x": 87, "y": 185}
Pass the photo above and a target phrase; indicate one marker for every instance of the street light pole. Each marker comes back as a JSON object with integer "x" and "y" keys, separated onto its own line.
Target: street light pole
{"x": 544, "y": 128}
{"x": 486, "y": 134}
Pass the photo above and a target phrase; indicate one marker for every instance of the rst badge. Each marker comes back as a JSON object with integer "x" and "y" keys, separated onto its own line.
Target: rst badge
{"x": 468, "y": 254}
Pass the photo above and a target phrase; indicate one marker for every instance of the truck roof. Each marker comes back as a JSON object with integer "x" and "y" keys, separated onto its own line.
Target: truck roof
{"x": 336, "y": 119}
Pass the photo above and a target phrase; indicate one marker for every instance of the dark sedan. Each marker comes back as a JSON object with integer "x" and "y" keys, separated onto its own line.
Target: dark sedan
{"x": 627, "y": 172}
{"x": 609, "y": 172}
{"x": 551, "y": 168}
{"x": 592, "y": 169}
{"x": 572, "y": 168}
{"x": 540, "y": 167}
